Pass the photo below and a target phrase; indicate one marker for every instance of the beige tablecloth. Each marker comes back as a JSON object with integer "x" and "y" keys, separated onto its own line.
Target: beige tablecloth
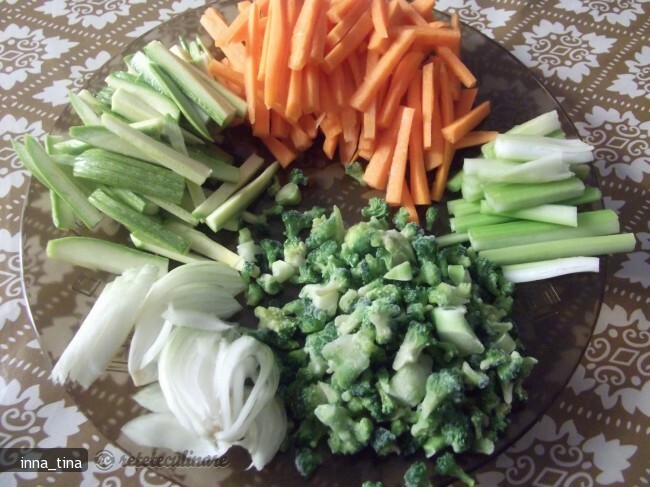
{"x": 593, "y": 56}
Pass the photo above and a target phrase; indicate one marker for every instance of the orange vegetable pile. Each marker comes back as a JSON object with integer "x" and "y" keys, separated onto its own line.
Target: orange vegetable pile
{"x": 380, "y": 79}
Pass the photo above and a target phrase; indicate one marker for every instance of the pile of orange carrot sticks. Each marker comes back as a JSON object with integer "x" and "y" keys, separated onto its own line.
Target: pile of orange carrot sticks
{"x": 382, "y": 80}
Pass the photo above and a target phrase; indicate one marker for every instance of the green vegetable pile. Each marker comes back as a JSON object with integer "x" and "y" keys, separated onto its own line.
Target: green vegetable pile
{"x": 392, "y": 343}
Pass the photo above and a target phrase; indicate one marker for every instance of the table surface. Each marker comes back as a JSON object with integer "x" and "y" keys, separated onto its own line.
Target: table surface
{"x": 593, "y": 56}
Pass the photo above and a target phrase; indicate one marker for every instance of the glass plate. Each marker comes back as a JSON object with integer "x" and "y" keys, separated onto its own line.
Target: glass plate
{"x": 555, "y": 317}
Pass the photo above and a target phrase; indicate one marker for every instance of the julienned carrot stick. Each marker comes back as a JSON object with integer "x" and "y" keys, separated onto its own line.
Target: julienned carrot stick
{"x": 397, "y": 173}
{"x": 412, "y": 14}
{"x": 282, "y": 152}
{"x": 352, "y": 39}
{"x": 353, "y": 64}
{"x": 379, "y": 15}
{"x": 434, "y": 156}
{"x": 424, "y": 8}
{"x": 262, "y": 125}
{"x": 432, "y": 35}
{"x": 215, "y": 24}
{"x": 236, "y": 31}
{"x": 294, "y": 96}
{"x": 224, "y": 72}
{"x": 376, "y": 173}
{"x": 330, "y": 145}
{"x": 405, "y": 72}
{"x": 253, "y": 53}
{"x": 338, "y": 9}
{"x": 465, "y": 101}
{"x": 370, "y": 115}
{"x": 276, "y": 79}
{"x": 409, "y": 205}
{"x": 303, "y": 33}
{"x": 343, "y": 26}
{"x": 279, "y": 126}
{"x": 442, "y": 173}
{"x": 428, "y": 90}
{"x": 318, "y": 40}
{"x": 446, "y": 96}
{"x": 454, "y": 63}
{"x": 476, "y": 137}
{"x": 465, "y": 124}
{"x": 384, "y": 68}
{"x": 309, "y": 124}
{"x": 311, "y": 82}
{"x": 299, "y": 138}
{"x": 417, "y": 172}
{"x": 266, "y": 41}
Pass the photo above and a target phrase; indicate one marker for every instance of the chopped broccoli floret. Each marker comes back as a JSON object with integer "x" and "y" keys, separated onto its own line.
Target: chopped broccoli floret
{"x": 254, "y": 294}
{"x": 418, "y": 337}
{"x": 274, "y": 319}
{"x": 296, "y": 221}
{"x": 326, "y": 229}
{"x": 269, "y": 284}
{"x": 346, "y": 435}
{"x": 384, "y": 441}
{"x": 416, "y": 475}
{"x": 314, "y": 344}
{"x": 376, "y": 207}
{"x": 446, "y": 465}
{"x": 355, "y": 171}
{"x": 307, "y": 460}
{"x": 430, "y": 217}
{"x": 296, "y": 176}
{"x": 409, "y": 382}
{"x": 401, "y": 218}
{"x": 288, "y": 195}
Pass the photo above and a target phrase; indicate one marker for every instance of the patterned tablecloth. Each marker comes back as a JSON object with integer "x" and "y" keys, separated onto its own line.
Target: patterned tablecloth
{"x": 592, "y": 55}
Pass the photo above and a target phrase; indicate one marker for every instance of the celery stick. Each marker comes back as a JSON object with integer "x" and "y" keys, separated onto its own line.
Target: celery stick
{"x": 162, "y": 154}
{"x": 530, "y": 147}
{"x": 540, "y": 170}
{"x": 246, "y": 172}
{"x": 466, "y": 222}
{"x": 572, "y": 247}
{"x": 551, "y": 213}
{"x": 242, "y": 199}
{"x": 452, "y": 239}
{"x": 455, "y": 183}
{"x": 510, "y": 196}
{"x": 544, "y": 124}
{"x": 461, "y": 207}
{"x": 138, "y": 223}
{"x": 535, "y": 271}
{"x": 591, "y": 223}
{"x": 591, "y": 194}
{"x": 580, "y": 171}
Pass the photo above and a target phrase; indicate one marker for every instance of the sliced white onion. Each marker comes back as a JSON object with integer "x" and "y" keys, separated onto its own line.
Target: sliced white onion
{"x": 105, "y": 328}
{"x": 151, "y": 397}
{"x": 535, "y": 271}
{"x": 205, "y": 286}
{"x": 162, "y": 430}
